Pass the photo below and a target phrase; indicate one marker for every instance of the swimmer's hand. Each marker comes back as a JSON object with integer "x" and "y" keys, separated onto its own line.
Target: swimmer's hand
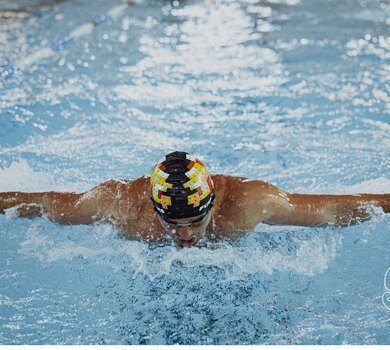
{"x": 266, "y": 203}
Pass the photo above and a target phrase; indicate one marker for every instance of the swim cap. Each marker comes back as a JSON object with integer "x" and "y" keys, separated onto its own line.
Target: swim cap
{"x": 181, "y": 187}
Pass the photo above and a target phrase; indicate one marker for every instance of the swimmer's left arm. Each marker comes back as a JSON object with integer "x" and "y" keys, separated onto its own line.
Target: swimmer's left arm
{"x": 63, "y": 207}
{"x": 277, "y": 207}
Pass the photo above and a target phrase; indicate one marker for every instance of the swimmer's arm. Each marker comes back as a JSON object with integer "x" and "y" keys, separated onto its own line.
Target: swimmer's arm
{"x": 327, "y": 210}
{"x": 61, "y": 207}
{"x": 277, "y": 207}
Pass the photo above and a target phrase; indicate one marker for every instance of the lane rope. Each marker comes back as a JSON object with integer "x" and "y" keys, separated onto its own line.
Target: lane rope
{"x": 67, "y": 40}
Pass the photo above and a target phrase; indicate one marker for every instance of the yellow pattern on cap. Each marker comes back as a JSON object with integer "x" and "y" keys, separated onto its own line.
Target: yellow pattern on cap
{"x": 198, "y": 176}
{"x": 159, "y": 182}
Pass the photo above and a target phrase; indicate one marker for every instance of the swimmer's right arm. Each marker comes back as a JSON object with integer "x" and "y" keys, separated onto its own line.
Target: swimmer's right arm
{"x": 61, "y": 207}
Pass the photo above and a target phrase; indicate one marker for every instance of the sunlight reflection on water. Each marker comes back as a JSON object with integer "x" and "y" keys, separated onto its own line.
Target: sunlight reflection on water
{"x": 293, "y": 92}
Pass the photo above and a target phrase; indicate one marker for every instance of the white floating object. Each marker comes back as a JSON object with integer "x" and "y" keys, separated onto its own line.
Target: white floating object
{"x": 82, "y": 30}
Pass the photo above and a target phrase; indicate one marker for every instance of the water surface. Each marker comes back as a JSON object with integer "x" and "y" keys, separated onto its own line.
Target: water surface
{"x": 292, "y": 92}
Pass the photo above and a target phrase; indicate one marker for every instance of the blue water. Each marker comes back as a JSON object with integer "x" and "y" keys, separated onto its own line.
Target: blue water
{"x": 292, "y": 92}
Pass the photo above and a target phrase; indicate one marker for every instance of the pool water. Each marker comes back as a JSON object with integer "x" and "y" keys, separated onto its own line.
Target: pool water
{"x": 292, "y": 92}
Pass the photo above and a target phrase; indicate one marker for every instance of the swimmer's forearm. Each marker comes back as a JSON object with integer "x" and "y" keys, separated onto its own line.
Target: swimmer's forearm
{"x": 64, "y": 208}
{"x": 26, "y": 204}
{"x": 335, "y": 210}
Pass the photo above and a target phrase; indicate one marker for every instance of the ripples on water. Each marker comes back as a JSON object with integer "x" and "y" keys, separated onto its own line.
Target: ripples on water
{"x": 294, "y": 92}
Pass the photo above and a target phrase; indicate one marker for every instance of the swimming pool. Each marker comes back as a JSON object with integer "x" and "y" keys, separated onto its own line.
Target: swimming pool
{"x": 292, "y": 92}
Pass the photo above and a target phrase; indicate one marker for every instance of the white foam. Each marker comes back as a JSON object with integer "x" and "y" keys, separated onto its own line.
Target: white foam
{"x": 19, "y": 176}
{"x": 310, "y": 258}
{"x": 99, "y": 244}
{"x": 11, "y": 213}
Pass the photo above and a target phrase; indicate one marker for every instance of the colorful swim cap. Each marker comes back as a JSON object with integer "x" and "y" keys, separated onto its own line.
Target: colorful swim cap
{"x": 181, "y": 187}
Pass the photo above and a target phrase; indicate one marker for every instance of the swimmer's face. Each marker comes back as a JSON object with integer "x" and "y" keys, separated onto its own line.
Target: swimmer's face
{"x": 188, "y": 231}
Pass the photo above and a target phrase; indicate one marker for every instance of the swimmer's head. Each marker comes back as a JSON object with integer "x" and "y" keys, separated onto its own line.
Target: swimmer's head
{"x": 182, "y": 190}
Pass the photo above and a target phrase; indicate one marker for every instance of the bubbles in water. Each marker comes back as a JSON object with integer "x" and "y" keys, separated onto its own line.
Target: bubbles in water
{"x": 254, "y": 91}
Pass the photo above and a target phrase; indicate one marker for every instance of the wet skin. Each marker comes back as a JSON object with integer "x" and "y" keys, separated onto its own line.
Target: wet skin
{"x": 240, "y": 204}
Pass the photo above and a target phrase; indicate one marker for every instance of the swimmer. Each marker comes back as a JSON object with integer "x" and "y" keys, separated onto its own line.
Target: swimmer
{"x": 182, "y": 200}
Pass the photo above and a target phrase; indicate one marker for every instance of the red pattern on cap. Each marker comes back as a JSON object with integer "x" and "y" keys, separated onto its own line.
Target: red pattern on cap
{"x": 190, "y": 164}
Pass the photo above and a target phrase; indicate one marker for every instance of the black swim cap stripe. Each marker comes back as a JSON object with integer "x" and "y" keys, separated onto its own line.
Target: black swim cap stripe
{"x": 176, "y": 195}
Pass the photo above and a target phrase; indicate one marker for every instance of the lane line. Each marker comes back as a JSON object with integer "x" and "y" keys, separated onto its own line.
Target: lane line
{"x": 61, "y": 43}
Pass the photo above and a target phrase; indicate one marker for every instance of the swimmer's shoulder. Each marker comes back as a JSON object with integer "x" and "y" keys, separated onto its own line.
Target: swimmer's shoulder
{"x": 123, "y": 184}
{"x": 235, "y": 194}
{"x": 135, "y": 189}
{"x": 228, "y": 183}
{"x": 240, "y": 203}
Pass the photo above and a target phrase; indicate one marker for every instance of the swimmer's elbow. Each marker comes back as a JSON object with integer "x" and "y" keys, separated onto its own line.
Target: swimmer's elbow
{"x": 69, "y": 208}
